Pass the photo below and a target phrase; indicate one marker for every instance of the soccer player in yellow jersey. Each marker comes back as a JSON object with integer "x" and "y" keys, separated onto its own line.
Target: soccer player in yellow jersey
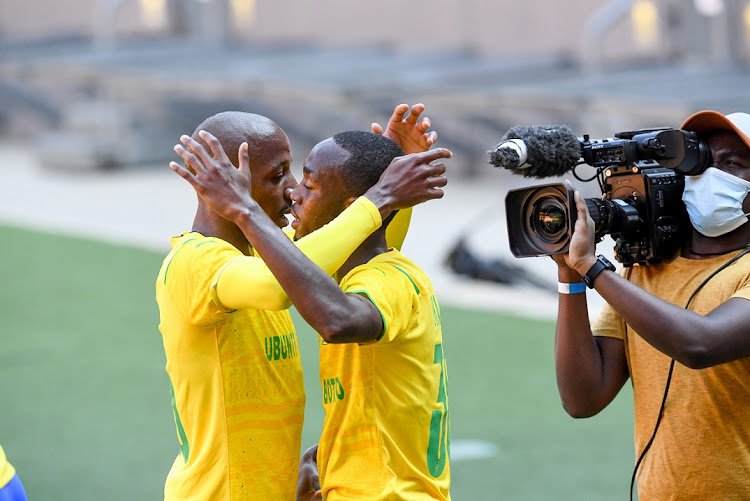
{"x": 11, "y": 488}
{"x": 384, "y": 377}
{"x": 232, "y": 354}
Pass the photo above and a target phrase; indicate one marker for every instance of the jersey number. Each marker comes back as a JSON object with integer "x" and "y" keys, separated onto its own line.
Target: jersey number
{"x": 181, "y": 436}
{"x": 439, "y": 447}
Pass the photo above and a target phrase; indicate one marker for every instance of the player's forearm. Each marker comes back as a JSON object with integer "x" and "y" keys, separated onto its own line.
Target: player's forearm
{"x": 248, "y": 283}
{"x": 336, "y": 316}
{"x": 382, "y": 197}
{"x": 330, "y": 246}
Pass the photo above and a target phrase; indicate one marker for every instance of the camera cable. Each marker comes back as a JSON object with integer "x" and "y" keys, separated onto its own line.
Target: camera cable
{"x": 671, "y": 368}
{"x": 596, "y": 175}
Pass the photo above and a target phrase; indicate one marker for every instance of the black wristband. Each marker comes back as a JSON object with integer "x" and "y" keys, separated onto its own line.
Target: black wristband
{"x": 601, "y": 264}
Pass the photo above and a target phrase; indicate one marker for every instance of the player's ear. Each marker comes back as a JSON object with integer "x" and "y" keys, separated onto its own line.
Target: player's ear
{"x": 349, "y": 201}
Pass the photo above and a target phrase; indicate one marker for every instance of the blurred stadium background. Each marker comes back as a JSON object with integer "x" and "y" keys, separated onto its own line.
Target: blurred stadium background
{"x": 94, "y": 94}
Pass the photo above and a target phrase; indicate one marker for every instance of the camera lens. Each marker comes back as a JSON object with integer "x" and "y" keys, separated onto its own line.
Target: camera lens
{"x": 613, "y": 216}
{"x": 539, "y": 219}
{"x": 545, "y": 218}
{"x": 549, "y": 220}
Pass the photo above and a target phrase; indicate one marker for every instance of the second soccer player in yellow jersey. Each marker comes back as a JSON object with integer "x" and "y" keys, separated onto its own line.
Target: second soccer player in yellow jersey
{"x": 386, "y": 429}
{"x": 384, "y": 376}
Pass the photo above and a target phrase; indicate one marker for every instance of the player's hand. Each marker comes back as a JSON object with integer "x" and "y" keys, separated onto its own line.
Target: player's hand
{"x": 308, "y": 483}
{"x": 225, "y": 189}
{"x": 410, "y": 180}
{"x": 408, "y": 130}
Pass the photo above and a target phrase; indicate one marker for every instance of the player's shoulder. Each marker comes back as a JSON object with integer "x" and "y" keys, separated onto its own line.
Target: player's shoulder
{"x": 392, "y": 268}
{"x": 194, "y": 243}
{"x": 192, "y": 250}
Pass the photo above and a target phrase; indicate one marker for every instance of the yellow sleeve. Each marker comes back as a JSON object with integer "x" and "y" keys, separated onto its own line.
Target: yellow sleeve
{"x": 246, "y": 282}
{"x": 395, "y": 233}
{"x": 188, "y": 273}
{"x": 390, "y": 292}
{"x": 609, "y": 324}
{"x": 744, "y": 290}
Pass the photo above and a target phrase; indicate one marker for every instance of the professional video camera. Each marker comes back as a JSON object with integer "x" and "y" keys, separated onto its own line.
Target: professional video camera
{"x": 641, "y": 177}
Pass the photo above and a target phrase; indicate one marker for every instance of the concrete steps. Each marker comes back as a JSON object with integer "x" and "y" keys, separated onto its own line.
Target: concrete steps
{"x": 129, "y": 107}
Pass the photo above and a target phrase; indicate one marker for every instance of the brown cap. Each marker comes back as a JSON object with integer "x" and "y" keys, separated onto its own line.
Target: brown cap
{"x": 705, "y": 121}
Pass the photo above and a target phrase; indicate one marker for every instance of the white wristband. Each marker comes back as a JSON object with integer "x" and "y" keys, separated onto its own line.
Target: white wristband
{"x": 574, "y": 288}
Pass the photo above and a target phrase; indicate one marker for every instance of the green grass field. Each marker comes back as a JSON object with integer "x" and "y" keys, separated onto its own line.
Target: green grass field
{"x": 85, "y": 412}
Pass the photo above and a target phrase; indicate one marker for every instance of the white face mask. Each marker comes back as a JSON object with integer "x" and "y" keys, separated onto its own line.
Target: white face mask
{"x": 714, "y": 201}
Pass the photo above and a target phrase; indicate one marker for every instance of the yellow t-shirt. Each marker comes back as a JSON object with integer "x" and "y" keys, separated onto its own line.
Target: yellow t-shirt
{"x": 386, "y": 429}
{"x": 702, "y": 448}
{"x": 238, "y": 396}
{"x": 6, "y": 469}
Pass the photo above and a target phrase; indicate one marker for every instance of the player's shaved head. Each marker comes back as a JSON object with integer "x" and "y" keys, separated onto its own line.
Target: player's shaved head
{"x": 269, "y": 156}
{"x": 232, "y": 128}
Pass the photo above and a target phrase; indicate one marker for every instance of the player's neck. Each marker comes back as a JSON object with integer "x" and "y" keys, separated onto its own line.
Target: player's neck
{"x": 374, "y": 245}
{"x": 210, "y": 224}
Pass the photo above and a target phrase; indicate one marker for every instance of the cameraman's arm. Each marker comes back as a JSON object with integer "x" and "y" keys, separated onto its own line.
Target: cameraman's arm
{"x": 590, "y": 370}
{"x": 696, "y": 341}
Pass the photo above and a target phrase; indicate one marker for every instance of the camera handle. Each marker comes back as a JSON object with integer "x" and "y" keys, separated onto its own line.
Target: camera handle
{"x": 671, "y": 368}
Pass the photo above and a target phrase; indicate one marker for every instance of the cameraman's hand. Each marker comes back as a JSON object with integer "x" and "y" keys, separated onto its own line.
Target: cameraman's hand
{"x": 581, "y": 252}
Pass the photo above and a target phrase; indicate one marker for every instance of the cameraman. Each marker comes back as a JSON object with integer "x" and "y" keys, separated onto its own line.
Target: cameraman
{"x": 702, "y": 448}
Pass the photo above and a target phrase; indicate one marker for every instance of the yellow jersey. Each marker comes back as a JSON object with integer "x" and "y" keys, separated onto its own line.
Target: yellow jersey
{"x": 386, "y": 430}
{"x": 237, "y": 390}
{"x": 6, "y": 469}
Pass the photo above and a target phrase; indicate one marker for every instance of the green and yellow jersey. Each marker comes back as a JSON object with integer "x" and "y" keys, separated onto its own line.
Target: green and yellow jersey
{"x": 236, "y": 376}
{"x": 6, "y": 469}
{"x": 386, "y": 429}
{"x": 233, "y": 362}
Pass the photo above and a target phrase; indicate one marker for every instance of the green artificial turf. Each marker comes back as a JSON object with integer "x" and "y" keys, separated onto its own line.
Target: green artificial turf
{"x": 85, "y": 411}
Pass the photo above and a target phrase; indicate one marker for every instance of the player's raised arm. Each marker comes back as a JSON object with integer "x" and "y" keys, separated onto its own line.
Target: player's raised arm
{"x": 410, "y": 131}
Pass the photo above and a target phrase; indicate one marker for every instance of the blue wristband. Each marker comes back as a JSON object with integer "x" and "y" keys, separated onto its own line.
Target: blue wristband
{"x": 574, "y": 288}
